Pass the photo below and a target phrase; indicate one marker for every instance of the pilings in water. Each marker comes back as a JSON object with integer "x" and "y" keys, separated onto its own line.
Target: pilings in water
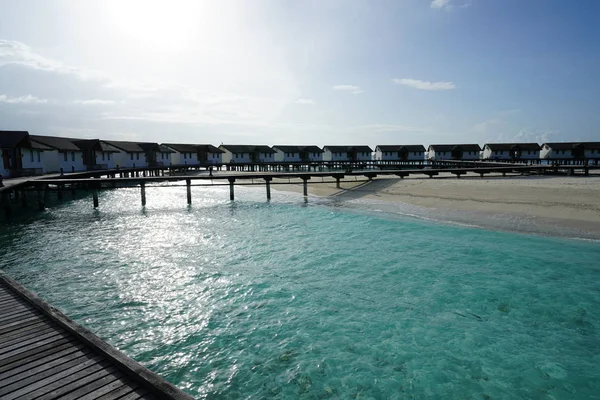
{"x": 143, "y": 190}
{"x": 6, "y": 204}
{"x": 41, "y": 197}
{"x": 268, "y": 184}
{"x": 231, "y": 185}
{"x": 305, "y": 185}
{"x": 188, "y": 184}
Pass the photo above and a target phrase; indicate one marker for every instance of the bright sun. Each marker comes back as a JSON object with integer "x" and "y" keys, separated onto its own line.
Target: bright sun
{"x": 165, "y": 26}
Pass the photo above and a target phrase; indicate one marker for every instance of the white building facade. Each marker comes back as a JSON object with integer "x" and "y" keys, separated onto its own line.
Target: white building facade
{"x": 286, "y": 153}
{"x": 467, "y": 152}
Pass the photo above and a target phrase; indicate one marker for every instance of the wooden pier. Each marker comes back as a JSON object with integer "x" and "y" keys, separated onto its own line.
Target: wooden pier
{"x": 44, "y": 355}
{"x": 36, "y": 190}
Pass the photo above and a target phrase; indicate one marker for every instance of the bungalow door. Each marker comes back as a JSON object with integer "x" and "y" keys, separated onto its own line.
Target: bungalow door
{"x": 6, "y": 159}
{"x": 403, "y": 155}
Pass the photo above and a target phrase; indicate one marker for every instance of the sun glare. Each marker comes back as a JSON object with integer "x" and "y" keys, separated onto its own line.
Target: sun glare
{"x": 165, "y": 26}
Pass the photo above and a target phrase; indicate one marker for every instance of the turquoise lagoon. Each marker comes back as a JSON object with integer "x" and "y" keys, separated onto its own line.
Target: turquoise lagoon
{"x": 319, "y": 299}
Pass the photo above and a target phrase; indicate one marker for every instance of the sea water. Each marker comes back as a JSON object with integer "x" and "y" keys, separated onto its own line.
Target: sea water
{"x": 319, "y": 299}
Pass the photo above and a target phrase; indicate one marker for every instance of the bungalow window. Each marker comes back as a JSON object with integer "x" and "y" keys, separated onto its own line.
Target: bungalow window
{"x": 65, "y": 154}
{"x": 39, "y": 156}
{"x": 103, "y": 156}
{"x": 72, "y": 156}
{"x": 130, "y": 155}
{"x": 108, "y": 156}
{"x": 415, "y": 153}
{"x": 31, "y": 153}
{"x": 137, "y": 156}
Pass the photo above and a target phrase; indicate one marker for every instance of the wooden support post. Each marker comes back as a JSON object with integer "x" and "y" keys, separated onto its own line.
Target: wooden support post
{"x": 143, "y": 189}
{"x": 305, "y": 186}
{"x": 188, "y": 183}
{"x": 95, "y": 197}
{"x": 337, "y": 182}
{"x": 6, "y": 204}
{"x": 41, "y": 196}
{"x": 231, "y": 184}
{"x": 268, "y": 183}
{"x": 60, "y": 192}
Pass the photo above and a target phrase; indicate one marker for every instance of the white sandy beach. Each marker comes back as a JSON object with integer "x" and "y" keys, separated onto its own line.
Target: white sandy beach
{"x": 569, "y": 202}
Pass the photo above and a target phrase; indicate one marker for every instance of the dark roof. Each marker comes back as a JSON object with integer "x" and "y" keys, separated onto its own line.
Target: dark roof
{"x": 403, "y": 147}
{"x": 55, "y": 142}
{"x": 572, "y": 145}
{"x": 512, "y": 146}
{"x": 129, "y": 147}
{"x": 40, "y": 146}
{"x": 242, "y": 148}
{"x": 149, "y": 146}
{"x": 237, "y": 148}
{"x": 209, "y": 148}
{"x": 287, "y": 149}
{"x": 311, "y": 149}
{"x": 181, "y": 147}
{"x": 164, "y": 149}
{"x": 94, "y": 144}
{"x": 342, "y": 149}
{"x": 451, "y": 147}
{"x": 13, "y": 139}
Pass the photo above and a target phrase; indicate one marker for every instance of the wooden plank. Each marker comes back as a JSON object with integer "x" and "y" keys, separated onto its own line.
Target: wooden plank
{"x": 14, "y": 308}
{"x": 136, "y": 394}
{"x": 122, "y": 384}
{"x": 73, "y": 382}
{"x": 34, "y": 351}
{"x": 127, "y": 388}
{"x": 24, "y": 331}
{"x": 42, "y": 374}
{"x": 48, "y": 341}
{"x": 30, "y": 341}
{"x": 17, "y": 315}
{"x": 53, "y": 382}
{"x": 62, "y": 351}
{"x": 31, "y": 369}
{"x": 28, "y": 335}
{"x": 18, "y": 324}
{"x": 93, "y": 382}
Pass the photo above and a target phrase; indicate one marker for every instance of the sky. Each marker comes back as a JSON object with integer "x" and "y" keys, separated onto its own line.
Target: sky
{"x": 302, "y": 72}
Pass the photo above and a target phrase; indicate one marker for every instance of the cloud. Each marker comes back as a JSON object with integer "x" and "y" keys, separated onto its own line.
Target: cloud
{"x": 424, "y": 85}
{"x": 17, "y": 53}
{"x": 28, "y": 99}
{"x": 304, "y": 101}
{"x": 349, "y": 88}
{"x": 444, "y": 4}
{"x": 94, "y": 102}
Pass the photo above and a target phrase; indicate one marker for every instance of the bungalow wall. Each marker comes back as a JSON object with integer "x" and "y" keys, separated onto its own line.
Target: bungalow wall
{"x": 132, "y": 159}
{"x": 229, "y": 157}
{"x": 496, "y": 155}
{"x": 106, "y": 160}
{"x": 335, "y": 156}
{"x": 364, "y": 156}
{"x": 314, "y": 156}
{"x": 163, "y": 159}
{"x": 281, "y": 156}
{"x": 386, "y": 155}
{"x": 265, "y": 157}
{"x": 33, "y": 160}
{"x": 71, "y": 161}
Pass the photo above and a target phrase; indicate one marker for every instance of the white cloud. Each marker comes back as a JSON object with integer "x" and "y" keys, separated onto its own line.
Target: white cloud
{"x": 445, "y": 4}
{"x": 304, "y": 101}
{"x": 28, "y": 99}
{"x": 17, "y": 53}
{"x": 348, "y": 88}
{"x": 424, "y": 85}
{"x": 94, "y": 102}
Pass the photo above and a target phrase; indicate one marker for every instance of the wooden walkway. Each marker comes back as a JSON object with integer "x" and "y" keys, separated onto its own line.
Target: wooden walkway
{"x": 44, "y": 355}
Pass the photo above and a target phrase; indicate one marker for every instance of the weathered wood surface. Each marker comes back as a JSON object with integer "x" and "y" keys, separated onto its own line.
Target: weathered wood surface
{"x": 45, "y": 355}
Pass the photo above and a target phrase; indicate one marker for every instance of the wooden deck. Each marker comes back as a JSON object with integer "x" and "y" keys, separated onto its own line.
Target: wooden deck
{"x": 44, "y": 355}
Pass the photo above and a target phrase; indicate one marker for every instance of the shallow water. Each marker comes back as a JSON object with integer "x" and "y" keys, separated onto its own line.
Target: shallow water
{"x": 289, "y": 299}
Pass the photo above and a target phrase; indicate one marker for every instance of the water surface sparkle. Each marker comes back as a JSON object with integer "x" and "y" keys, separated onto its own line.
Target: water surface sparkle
{"x": 292, "y": 300}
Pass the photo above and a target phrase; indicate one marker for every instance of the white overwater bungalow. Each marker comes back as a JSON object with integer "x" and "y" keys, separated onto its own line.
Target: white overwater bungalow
{"x": 62, "y": 156}
{"x": 570, "y": 150}
{"x": 467, "y": 152}
{"x": 511, "y": 151}
{"x": 347, "y": 153}
{"x": 410, "y": 152}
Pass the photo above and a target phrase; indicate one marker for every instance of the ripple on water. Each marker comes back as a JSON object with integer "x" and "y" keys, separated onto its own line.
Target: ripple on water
{"x": 288, "y": 300}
